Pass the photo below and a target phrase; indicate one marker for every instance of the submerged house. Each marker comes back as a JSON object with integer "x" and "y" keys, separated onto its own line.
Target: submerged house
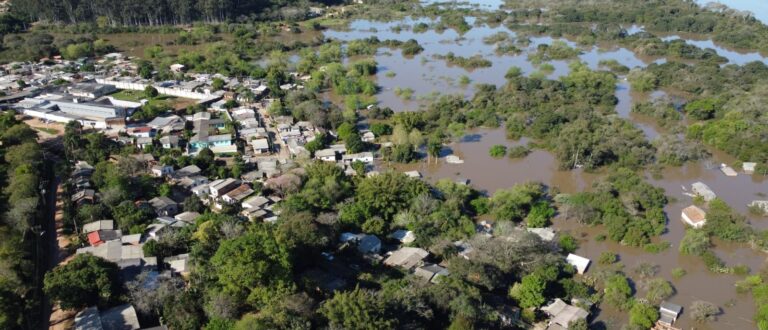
{"x": 701, "y": 189}
{"x": 694, "y": 216}
{"x": 563, "y": 314}
{"x": 669, "y": 313}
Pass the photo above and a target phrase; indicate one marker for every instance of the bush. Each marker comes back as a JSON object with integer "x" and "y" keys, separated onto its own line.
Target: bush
{"x": 703, "y": 311}
{"x": 568, "y": 243}
{"x": 607, "y": 258}
{"x": 498, "y": 151}
{"x": 519, "y": 151}
{"x": 678, "y": 273}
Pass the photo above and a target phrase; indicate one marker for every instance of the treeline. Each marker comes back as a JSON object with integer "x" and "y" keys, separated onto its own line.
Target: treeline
{"x": 153, "y": 12}
{"x": 21, "y": 168}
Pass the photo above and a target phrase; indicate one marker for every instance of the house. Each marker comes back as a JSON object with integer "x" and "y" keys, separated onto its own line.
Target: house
{"x": 367, "y": 136}
{"x": 188, "y": 217}
{"x": 98, "y": 225}
{"x": 328, "y": 155}
{"x": 694, "y": 216}
{"x": 413, "y": 174}
{"x": 431, "y": 272}
{"x": 140, "y": 132}
{"x": 365, "y": 157}
{"x": 96, "y": 238}
{"x": 669, "y": 313}
{"x": 749, "y": 167}
{"x": 406, "y": 257}
{"x": 134, "y": 239}
{"x": 179, "y": 264}
{"x": 160, "y": 171}
{"x": 403, "y": 236}
{"x": 164, "y": 206}
{"x": 260, "y": 146}
{"x": 701, "y": 189}
{"x": 156, "y": 230}
{"x": 90, "y": 90}
{"x": 192, "y": 181}
{"x": 85, "y": 196}
{"x": 562, "y": 314}
{"x": 201, "y": 190}
{"x": 222, "y": 186}
{"x": 546, "y": 234}
{"x": 177, "y": 68}
{"x": 238, "y": 194}
{"x": 187, "y": 171}
{"x": 122, "y": 317}
{"x": 143, "y": 142}
{"x": 169, "y": 141}
{"x": 167, "y": 124}
{"x": 366, "y": 244}
{"x": 255, "y": 202}
{"x": 579, "y": 262}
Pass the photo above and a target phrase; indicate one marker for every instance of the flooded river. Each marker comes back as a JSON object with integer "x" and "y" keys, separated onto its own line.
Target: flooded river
{"x": 427, "y": 75}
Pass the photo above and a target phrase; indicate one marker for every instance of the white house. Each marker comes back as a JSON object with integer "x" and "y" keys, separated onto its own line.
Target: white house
{"x": 694, "y": 216}
{"x": 162, "y": 170}
{"x": 365, "y": 157}
{"x": 222, "y": 186}
{"x": 579, "y": 262}
{"x": 328, "y": 155}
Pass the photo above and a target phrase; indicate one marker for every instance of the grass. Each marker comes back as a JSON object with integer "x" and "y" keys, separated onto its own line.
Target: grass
{"x": 129, "y": 95}
{"x": 51, "y": 131}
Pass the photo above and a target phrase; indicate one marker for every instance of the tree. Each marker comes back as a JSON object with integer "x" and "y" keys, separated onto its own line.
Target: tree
{"x": 703, "y": 311}
{"x": 254, "y": 267}
{"x": 695, "y": 242}
{"x": 217, "y": 84}
{"x": 659, "y": 289}
{"x": 529, "y": 292}
{"x": 617, "y": 292}
{"x": 354, "y": 143}
{"x": 540, "y": 215}
{"x": 85, "y": 281}
{"x": 643, "y": 315}
{"x": 357, "y": 309}
{"x": 150, "y": 92}
{"x": 193, "y": 204}
{"x": 498, "y": 151}
{"x": 513, "y": 204}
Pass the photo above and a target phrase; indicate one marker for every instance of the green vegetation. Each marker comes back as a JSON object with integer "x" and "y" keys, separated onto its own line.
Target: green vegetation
{"x": 631, "y": 223}
{"x": 473, "y": 62}
{"x": 84, "y": 281}
{"x": 498, "y": 151}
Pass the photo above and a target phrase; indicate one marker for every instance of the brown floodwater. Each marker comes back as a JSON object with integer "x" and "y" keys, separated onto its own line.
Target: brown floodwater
{"x": 426, "y": 75}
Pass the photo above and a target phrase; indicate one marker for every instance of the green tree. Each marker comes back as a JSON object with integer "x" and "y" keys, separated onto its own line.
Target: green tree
{"x": 540, "y": 214}
{"x": 254, "y": 267}
{"x": 617, "y": 292}
{"x": 695, "y": 242}
{"x": 659, "y": 289}
{"x": 530, "y": 291}
{"x": 85, "y": 281}
{"x": 150, "y": 92}
{"x": 643, "y": 315}
{"x": 498, "y": 151}
{"x": 514, "y": 204}
{"x": 357, "y": 309}
{"x": 354, "y": 143}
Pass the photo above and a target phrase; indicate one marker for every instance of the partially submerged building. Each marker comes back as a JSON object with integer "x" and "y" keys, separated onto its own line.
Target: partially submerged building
{"x": 694, "y": 216}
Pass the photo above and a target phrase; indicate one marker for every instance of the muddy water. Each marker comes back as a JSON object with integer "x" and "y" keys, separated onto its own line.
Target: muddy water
{"x": 426, "y": 75}
{"x": 489, "y": 174}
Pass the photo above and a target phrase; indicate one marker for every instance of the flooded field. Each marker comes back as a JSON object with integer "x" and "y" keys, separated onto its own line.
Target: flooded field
{"x": 427, "y": 75}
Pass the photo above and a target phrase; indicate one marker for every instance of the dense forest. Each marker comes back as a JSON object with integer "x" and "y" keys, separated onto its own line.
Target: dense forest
{"x": 147, "y": 12}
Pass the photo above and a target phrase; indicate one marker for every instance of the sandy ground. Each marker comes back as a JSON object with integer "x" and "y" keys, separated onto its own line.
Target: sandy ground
{"x": 61, "y": 319}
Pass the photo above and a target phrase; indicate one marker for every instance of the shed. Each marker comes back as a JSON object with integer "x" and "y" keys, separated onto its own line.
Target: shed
{"x": 403, "y": 236}
{"x": 431, "y": 272}
{"x": 749, "y": 167}
{"x": 563, "y": 314}
{"x": 727, "y": 170}
{"x": 369, "y": 244}
{"x": 406, "y": 257}
{"x": 701, "y": 189}
{"x": 694, "y": 216}
{"x": 579, "y": 262}
{"x": 546, "y": 234}
{"x": 669, "y": 313}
